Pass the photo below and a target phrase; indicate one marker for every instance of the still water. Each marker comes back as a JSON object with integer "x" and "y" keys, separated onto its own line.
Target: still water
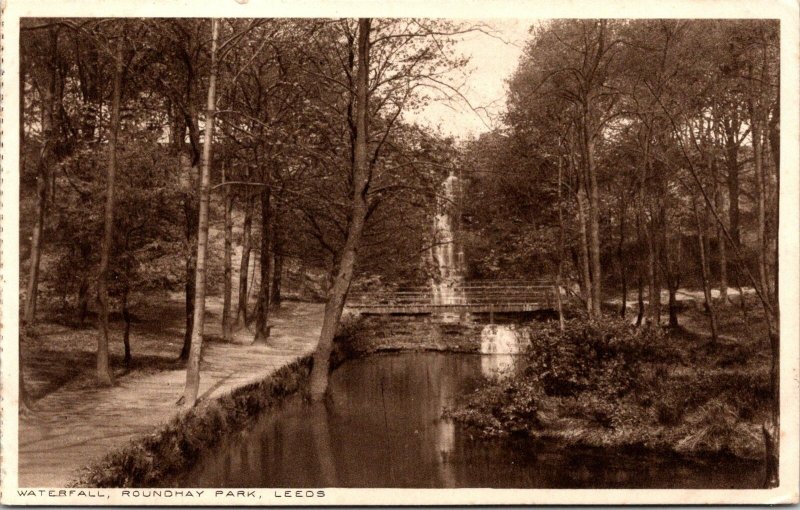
{"x": 383, "y": 428}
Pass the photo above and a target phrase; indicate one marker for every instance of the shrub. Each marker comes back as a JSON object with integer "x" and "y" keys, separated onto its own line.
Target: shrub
{"x": 501, "y": 407}
{"x": 603, "y": 382}
{"x": 599, "y": 355}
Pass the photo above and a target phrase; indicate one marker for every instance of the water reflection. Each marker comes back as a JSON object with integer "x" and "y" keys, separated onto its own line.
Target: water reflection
{"x": 500, "y": 344}
{"x": 497, "y": 365}
{"x": 383, "y": 427}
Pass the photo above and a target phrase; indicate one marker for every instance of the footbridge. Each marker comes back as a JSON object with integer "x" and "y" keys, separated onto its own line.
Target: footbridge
{"x": 475, "y": 296}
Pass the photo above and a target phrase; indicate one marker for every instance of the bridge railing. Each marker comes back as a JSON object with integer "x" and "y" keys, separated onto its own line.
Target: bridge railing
{"x": 475, "y": 294}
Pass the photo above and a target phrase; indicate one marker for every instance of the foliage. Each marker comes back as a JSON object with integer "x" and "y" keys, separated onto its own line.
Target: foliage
{"x": 502, "y": 407}
{"x": 598, "y": 355}
{"x": 666, "y": 94}
{"x": 606, "y": 383}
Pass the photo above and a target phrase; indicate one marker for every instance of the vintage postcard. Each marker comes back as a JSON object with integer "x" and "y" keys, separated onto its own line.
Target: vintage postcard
{"x": 359, "y": 253}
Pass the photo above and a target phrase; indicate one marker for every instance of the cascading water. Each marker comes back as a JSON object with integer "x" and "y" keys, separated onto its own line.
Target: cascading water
{"x": 446, "y": 254}
{"x": 499, "y": 345}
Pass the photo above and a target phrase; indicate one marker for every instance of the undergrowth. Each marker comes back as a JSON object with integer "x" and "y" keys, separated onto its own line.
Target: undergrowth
{"x": 606, "y": 383}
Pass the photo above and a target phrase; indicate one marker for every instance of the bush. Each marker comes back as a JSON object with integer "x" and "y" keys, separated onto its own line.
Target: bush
{"x": 501, "y": 407}
{"x": 599, "y": 355}
{"x": 602, "y": 382}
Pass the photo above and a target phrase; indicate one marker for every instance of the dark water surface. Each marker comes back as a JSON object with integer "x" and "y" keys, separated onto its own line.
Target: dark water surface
{"x": 383, "y": 428}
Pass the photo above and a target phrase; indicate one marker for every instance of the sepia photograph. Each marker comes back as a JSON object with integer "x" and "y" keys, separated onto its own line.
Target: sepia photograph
{"x": 261, "y": 258}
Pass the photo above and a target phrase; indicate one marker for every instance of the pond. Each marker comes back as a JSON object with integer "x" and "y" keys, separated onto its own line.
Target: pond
{"x": 383, "y": 427}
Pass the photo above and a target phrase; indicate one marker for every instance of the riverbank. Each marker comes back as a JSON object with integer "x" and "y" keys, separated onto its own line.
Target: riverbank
{"x": 608, "y": 386}
{"x": 382, "y": 426}
{"x": 150, "y": 460}
{"x": 121, "y": 431}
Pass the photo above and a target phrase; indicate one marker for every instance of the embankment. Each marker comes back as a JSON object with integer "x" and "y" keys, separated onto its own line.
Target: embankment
{"x": 150, "y": 460}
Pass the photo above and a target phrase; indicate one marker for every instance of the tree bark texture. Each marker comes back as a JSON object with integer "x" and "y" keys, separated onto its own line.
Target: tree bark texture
{"x": 50, "y": 132}
{"x": 265, "y": 261}
{"x": 228, "y": 264}
{"x": 104, "y": 374}
{"x": 126, "y": 335}
{"x": 195, "y": 350}
{"x": 277, "y": 279}
{"x": 594, "y": 220}
{"x": 244, "y": 266}
{"x": 701, "y": 241}
{"x": 586, "y": 277}
{"x": 344, "y": 274}
{"x": 190, "y": 211}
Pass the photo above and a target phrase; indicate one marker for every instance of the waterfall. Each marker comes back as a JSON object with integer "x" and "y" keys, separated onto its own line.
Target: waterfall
{"x": 499, "y": 345}
{"x": 446, "y": 252}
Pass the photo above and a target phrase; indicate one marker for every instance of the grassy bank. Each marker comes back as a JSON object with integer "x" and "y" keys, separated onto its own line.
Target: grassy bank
{"x": 605, "y": 383}
{"x": 152, "y": 459}
{"x": 59, "y": 353}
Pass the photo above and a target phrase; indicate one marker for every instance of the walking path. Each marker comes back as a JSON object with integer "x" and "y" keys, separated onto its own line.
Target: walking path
{"x": 71, "y": 428}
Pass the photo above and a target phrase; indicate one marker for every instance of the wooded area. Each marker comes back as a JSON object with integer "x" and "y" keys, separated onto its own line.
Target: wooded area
{"x": 634, "y": 156}
{"x": 285, "y": 95}
{"x": 638, "y": 154}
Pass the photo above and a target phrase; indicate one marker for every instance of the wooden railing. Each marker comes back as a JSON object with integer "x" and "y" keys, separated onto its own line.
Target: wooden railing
{"x": 471, "y": 296}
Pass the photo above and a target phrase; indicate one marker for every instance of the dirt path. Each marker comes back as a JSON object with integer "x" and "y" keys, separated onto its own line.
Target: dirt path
{"x": 70, "y": 428}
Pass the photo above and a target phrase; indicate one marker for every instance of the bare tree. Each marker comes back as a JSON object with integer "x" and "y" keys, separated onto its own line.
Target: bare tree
{"x": 358, "y": 214}
{"x": 195, "y": 350}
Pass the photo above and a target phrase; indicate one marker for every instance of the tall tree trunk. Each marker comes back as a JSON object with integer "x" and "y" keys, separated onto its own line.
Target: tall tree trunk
{"x": 760, "y": 122}
{"x": 344, "y": 275}
{"x": 775, "y": 150}
{"x": 701, "y": 241}
{"x": 190, "y": 160}
{"x": 670, "y": 271}
{"x": 758, "y": 163}
{"x": 228, "y": 263}
{"x": 265, "y": 258}
{"x": 640, "y": 276}
{"x": 254, "y": 284}
{"x": 720, "y": 204}
{"x": 723, "y": 268}
{"x": 653, "y": 311}
{"x": 244, "y": 266}
{"x": 83, "y": 299}
{"x": 654, "y": 287}
{"x": 190, "y": 211}
{"x": 277, "y": 278}
{"x": 195, "y": 350}
{"x": 560, "y": 255}
{"x": 623, "y": 273}
{"x": 673, "y": 306}
{"x": 46, "y": 159}
{"x": 29, "y": 315}
{"x": 732, "y": 161}
{"x": 594, "y": 219}
{"x": 126, "y": 335}
{"x": 104, "y": 374}
{"x": 584, "y": 253}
